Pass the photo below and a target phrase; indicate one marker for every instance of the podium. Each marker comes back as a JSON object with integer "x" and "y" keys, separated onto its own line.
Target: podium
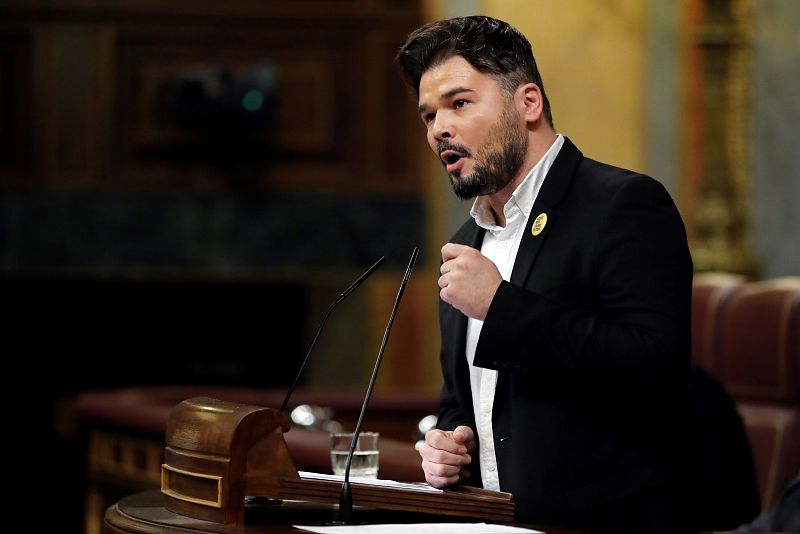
{"x": 218, "y": 452}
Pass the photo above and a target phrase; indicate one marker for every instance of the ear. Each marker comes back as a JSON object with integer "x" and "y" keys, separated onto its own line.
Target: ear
{"x": 530, "y": 100}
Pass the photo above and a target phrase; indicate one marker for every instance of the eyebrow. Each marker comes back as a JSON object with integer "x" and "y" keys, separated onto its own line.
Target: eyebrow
{"x": 446, "y": 96}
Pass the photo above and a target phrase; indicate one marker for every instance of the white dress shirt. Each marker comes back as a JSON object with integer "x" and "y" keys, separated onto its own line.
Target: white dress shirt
{"x": 500, "y": 245}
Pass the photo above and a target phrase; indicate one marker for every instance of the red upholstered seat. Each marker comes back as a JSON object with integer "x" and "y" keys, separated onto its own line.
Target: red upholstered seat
{"x": 710, "y": 293}
{"x": 747, "y": 334}
{"x": 759, "y": 339}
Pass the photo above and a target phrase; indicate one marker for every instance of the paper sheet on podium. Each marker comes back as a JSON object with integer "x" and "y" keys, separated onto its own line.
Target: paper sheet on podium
{"x": 378, "y": 482}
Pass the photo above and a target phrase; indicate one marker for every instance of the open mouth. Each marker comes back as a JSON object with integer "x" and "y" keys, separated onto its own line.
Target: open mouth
{"x": 449, "y": 157}
{"x": 453, "y": 157}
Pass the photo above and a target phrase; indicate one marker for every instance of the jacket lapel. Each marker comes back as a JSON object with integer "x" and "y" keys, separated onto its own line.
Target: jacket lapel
{"x": 473, "y": 238}
{"x": 550, "y": 195}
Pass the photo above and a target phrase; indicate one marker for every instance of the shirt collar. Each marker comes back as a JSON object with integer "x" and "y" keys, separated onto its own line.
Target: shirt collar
{"x": 524, "y": 195}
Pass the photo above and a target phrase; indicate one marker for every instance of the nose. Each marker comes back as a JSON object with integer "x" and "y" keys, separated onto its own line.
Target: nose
{"x": 442, "y": 128}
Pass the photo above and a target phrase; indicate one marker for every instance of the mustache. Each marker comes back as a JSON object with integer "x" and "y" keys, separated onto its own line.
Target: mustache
{"x": 441, "y": 146}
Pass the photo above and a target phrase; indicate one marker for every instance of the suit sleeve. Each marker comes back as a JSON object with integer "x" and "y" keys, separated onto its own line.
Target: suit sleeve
{"x": 450, "y": 413}
{"x": 635, "y": 327}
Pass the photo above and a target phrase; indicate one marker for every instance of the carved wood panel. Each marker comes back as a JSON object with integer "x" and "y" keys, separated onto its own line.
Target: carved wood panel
{"x": 716, "y": 163}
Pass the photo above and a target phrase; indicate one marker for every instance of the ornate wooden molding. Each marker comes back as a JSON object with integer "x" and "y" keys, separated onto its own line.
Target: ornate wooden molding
{"x": 716, "y": 177}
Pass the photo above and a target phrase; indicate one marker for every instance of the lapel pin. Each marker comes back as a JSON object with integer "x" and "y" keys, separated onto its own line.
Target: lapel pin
{"x": 539, "y": 224}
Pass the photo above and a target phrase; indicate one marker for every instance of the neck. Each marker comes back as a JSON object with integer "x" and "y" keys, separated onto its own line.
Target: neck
{"x": 538, "y": 145}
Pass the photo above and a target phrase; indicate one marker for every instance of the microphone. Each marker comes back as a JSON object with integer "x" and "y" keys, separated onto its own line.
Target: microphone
{"x": 338, "y": 299}
{"x": 346, "y": 497}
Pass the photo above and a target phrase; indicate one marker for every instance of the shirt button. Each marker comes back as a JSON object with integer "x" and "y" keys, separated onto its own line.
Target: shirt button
{"x": 492, "y": 469}
{"x": 486, "y": 409}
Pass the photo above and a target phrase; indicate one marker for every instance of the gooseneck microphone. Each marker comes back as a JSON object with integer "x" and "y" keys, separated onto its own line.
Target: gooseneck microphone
{"x": 346, "y": 497}
{"x": 338, "y": 299}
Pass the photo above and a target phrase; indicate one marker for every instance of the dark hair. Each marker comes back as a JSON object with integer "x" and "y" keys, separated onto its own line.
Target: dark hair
{"x": 491, "y": 46}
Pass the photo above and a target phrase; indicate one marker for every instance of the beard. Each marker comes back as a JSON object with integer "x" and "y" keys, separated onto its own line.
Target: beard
{"x": 497, "y": 163}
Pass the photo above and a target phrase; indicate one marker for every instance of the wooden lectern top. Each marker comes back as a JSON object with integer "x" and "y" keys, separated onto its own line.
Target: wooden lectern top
{"x": 218, "y": 452}
{"x": 216, "y": 427}
{"x": 463, "y": 501}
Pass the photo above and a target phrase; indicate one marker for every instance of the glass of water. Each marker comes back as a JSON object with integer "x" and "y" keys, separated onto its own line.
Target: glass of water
{"x": 365, "y": 457}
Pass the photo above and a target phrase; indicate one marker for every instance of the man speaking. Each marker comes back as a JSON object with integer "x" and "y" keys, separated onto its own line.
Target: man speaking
{"x": 565, "y": 299}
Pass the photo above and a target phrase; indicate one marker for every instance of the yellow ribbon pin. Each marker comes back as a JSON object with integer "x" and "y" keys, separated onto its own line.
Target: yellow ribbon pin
{"x": 538, "y": 224}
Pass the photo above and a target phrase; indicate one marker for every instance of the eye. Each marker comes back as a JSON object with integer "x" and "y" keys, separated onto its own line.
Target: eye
{"x": 459, "y": 103}
{"x": 428, "y": 117}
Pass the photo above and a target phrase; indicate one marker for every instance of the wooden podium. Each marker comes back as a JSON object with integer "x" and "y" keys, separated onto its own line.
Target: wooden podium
{"x": 218, "y": 452}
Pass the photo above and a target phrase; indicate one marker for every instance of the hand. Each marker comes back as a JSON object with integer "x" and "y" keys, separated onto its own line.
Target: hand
{"x": 445, "y": 454}
{"x": 469, "y": 280}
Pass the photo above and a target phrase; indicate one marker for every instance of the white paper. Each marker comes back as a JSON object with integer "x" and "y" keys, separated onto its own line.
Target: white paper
{"x": 417, "y": 486}
{"x": 421, "y": 528}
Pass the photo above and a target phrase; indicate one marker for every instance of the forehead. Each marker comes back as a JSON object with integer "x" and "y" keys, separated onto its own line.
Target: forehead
{"x": 454, "y": 72}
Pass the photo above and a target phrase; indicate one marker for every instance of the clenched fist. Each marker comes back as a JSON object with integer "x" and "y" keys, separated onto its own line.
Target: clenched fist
{"x": 469, "y": 280}
{"x": 446, "y": 454}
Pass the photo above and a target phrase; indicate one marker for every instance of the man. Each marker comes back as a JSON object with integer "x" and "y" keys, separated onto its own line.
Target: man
{"x": 565, "y": 299}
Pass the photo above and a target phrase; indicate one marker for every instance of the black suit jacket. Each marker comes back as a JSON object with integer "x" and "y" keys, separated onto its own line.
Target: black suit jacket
{"x": 591, "y": 342}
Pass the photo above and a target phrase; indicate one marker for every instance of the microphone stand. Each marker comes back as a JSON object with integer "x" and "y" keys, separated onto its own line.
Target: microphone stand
{"x": 338, "y": 299}
{"x": 252, "y": 500}
{"x": 346, "y": 496}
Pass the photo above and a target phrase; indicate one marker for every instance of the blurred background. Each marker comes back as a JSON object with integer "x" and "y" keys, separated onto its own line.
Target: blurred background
{"x": 186, "y": 186}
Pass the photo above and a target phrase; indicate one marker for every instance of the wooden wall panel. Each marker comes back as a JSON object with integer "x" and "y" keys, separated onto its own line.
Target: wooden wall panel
{"x": 99, "y": 72}
{"x": 309, "y": 10}
{"x": 15, "y": 106}
{"x": 312, "y": 143}
{"x": 306, "y": 115}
